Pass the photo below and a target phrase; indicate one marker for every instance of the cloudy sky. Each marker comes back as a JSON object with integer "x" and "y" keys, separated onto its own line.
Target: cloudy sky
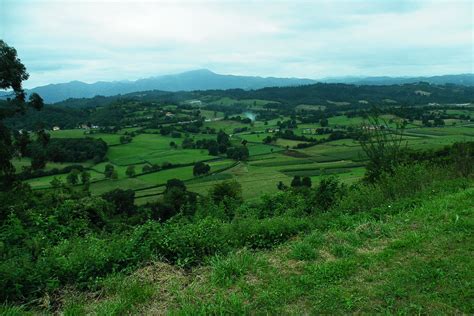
{"x": 61, "y": 41}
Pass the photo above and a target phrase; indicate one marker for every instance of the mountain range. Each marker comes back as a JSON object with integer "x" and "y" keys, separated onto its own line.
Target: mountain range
{"x": 204, "y": 79}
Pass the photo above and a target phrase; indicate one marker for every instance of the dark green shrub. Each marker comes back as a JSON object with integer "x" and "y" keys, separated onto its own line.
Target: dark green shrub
{"x": 122, "y": 199}
{"x": 184, "y": 244}
{"x": 328, "y": 193}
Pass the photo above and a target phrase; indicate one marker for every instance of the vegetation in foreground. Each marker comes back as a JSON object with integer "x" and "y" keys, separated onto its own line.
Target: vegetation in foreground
{"x": 329, "y": 249}
{"x": 405, "y": 257}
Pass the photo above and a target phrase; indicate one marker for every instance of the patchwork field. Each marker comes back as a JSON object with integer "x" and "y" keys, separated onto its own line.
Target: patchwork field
{"x": 268, "y": 164}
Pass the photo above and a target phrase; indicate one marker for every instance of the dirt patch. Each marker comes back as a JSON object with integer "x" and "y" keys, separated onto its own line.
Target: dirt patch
{"x": 159, "y": 272}
{"x": 166, "y": 279}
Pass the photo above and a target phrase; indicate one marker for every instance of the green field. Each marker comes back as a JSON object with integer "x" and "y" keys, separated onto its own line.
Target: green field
{"x": 268, "y": 163}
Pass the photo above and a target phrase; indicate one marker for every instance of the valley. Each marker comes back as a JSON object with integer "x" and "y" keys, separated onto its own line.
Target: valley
{"x": 281, "y": 143}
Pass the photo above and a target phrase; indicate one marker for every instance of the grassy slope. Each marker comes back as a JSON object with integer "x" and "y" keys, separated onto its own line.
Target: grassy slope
{"x": 397, "y": 259}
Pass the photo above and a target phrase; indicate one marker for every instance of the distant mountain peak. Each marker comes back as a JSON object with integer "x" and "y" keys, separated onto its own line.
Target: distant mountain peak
{"x": 201, "y": 71}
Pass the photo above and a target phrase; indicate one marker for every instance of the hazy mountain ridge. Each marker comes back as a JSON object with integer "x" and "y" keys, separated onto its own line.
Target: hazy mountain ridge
{"x": 204, "y": 79}
{"x": 188, "y": 81}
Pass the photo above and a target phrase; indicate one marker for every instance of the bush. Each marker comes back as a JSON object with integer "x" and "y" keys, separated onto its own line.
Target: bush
{"x": 405, "y": 180}
{"x": 328, "y": 193}
{"x": 183, "y": 244}
{"x": 201, "y": 168}
{"x": 265, "y": 233}
{"x": 282, "y": 203}
{"x": 229, "y": 195}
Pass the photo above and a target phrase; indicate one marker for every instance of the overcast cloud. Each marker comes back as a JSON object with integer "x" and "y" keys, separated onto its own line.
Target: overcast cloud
{"x": 61, "y": 41}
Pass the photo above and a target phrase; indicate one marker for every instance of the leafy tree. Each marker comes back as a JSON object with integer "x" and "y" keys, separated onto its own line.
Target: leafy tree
{"x": 125, "y": 139}
{"x": 226, "y": 189}
{"x": 188, "y": 143}
{"x": 201, "y": 168}
{"x": 213, "y": 149}
{"x": 109, "y": 170}
{"x": 175, "y": 183}
{"x": 324, "y": 122}
{"x": 306, "y": 182}
{"x": 229, "y": 193}
{"x": 328, "y": 193}
{"x": 175, "y": 195}
{"x": 223, "y": 141}
{"x": 56, "y": 183}
{"x": 36, "y": 101}
{"x": 426, "y": 121}
{"x": 268, "y": 140}
{"x": 13, "y": 72}
{"x": 240, "y": 153}
{"x": 122, "y": 199}
{"x": 85, "y": 177}
{"x": 130, "y": 172}
{"x": 38, "y": 159}
{"x": 296, "y": 182}
{"x": 114, "y": 175}
{"x": 281, "y": 186}
{"x": 223, "y": 138}
{"x": 175, "y": 134}
{"x": 438, "y": 122}
{"x": 73, "y": 177}
{"x": 12, "y": 75}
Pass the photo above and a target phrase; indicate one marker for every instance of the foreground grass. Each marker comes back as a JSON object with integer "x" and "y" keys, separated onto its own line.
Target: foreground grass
{"x": 414, "y": 256}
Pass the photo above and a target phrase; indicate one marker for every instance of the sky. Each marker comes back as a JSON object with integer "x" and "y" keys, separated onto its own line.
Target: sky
{"x": 62, "y": 41}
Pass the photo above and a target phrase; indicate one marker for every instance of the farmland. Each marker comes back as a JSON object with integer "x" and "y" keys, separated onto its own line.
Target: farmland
{"x": 270, "y": 162}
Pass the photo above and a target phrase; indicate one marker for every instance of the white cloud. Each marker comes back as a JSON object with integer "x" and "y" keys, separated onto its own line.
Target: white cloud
{"x": 114, "y": 40}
